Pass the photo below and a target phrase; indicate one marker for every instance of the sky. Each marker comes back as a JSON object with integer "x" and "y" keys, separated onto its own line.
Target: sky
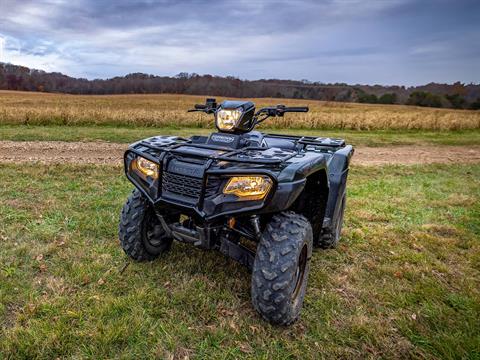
{"x": 396, "y": 42}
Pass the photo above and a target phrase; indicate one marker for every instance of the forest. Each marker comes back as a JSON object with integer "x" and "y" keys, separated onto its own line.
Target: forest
{"x": 457, "y": 95}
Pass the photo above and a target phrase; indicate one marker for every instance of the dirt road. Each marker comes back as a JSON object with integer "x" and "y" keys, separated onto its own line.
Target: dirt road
{"x": 58, "y": 152}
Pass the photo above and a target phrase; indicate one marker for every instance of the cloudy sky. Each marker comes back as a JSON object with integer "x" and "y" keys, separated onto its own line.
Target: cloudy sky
{"x": 405, "y": 42}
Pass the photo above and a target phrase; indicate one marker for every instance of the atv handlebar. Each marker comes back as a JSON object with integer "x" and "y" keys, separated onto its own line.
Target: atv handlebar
{"x": 210, "y": 107}
{"x": 278, "y": 110}
{"x": 296, "y": 109}
{"x": 203, "y": 108}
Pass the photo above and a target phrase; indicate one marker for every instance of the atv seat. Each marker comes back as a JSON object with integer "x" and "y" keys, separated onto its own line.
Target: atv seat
{"x": 280, "y": 143}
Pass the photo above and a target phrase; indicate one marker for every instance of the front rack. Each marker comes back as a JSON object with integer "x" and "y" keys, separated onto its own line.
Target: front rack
{"x": 229, "y": 155}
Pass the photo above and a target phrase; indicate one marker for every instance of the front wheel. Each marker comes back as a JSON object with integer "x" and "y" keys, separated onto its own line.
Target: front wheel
{"x": 280, "y": 270}
{"x": 140, "y": 232}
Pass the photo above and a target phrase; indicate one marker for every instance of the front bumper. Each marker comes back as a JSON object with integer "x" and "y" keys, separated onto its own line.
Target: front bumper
{"x": 192, "y": 187}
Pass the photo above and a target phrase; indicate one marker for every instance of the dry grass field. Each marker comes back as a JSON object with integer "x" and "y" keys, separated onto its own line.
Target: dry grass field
{"x": 24, "y": 108}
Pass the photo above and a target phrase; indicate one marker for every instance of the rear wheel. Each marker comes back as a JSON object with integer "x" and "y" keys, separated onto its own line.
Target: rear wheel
{"x": 280, "y": 270}
{"x": 140, "y": 232}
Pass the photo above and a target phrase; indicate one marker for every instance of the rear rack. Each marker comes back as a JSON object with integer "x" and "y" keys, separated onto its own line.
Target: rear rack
{"x": 311, "y": 140}
{"x": 230, "y": 155}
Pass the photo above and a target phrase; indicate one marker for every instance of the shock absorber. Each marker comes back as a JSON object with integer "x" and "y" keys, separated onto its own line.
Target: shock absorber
{"x": 256, "y": 226}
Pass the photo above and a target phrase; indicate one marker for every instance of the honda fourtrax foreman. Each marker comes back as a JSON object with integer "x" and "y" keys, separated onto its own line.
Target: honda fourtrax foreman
{"x": 264, "y": 200}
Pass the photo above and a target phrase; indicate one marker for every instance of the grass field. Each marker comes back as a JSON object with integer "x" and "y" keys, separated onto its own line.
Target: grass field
{"x": 403, "y": 284}
{"x": 170, "y": 111}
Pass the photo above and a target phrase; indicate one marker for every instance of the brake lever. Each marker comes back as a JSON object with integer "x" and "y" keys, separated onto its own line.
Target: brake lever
{"x": 206, "y": 111}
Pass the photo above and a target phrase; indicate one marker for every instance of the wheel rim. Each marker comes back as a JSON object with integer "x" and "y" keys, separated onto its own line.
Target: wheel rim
{"x": 152, "y": 234}
{"x": 300, "y": 273}
{"x": 152, "y": 238}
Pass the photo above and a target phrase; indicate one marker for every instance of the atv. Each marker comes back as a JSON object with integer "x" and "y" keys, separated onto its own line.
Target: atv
{"x": 264, "y": 200}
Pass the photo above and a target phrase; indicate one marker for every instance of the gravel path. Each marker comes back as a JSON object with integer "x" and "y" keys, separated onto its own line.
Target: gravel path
{"x": 59, "y": 152}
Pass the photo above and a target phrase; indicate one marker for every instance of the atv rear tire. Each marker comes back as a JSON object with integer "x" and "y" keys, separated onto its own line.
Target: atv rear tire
{"x": 330, "y": 239}
{"x": 280, "y": 270}
{"x": 140, "y": 232}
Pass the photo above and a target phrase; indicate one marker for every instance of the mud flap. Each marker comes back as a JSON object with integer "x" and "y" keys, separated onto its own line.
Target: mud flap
{"x": 337, "y": 177}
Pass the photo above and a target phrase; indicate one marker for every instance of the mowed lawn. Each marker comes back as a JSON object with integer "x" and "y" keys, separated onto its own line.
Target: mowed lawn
{"x": 405, "y": 281}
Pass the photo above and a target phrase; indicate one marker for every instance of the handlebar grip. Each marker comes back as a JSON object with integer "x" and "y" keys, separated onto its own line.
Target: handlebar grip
{"x": 200, "y": 106}
{"x": 296, "y": 109}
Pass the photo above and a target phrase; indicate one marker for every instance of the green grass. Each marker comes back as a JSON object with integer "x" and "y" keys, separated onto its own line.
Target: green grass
{"x": 404, "y": 282}
{"x": 130, "y": 134}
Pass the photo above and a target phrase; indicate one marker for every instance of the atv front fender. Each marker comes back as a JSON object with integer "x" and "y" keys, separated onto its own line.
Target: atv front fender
{"x": 285, "y": 195}
{"x": 309, "y": 164}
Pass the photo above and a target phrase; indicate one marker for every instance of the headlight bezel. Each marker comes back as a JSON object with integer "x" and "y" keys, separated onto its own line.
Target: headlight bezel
{"x": 242, "y": 114}
{"x": 233, "y": 186}
{"x": 148, "y": 185}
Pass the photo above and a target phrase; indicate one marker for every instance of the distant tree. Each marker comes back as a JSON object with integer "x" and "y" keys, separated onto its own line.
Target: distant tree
{"x": 432, "y": 101}
{"x": 182, "y": 75}
{"x": 424, "y": 98}
{"x": 297, "y": 95}
{"x": 388, "y": 98}
{"x": 13, "y": 77}
{"x": 367, "y": 98}
{"x": 475, "y": 105}
{"x": 416, "y": 98}
{"x": 343, "y": 95}
{"x": 456, "y": 100}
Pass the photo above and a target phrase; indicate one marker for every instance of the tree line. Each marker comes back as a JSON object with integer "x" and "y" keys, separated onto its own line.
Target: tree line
{"x": 457, "y": 95}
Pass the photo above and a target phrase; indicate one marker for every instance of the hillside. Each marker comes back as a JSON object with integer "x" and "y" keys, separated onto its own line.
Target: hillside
{"x": 458, "y": 95}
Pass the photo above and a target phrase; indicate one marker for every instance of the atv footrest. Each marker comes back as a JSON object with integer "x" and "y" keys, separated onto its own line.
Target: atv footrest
{"x": 238, "y": 252}
{"x": 199, "y": 236}
{"x": 183, "y": 234}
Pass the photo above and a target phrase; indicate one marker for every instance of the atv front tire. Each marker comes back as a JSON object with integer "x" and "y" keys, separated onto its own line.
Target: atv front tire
{"x": 140, "y": 232}
{"x": 280, "y": 270}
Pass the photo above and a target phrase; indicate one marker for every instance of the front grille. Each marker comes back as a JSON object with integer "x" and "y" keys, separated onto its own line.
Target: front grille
{"x": 181, "y": 185}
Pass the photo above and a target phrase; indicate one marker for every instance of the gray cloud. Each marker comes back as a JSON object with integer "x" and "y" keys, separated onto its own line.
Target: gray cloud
{"x": 354, "y": 41}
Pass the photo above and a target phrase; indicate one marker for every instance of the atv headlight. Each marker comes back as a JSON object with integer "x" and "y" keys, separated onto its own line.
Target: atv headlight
{"x": 248, "y": 187}
{"x": 145, "y": 167}
{"x": 227, "y": 118}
